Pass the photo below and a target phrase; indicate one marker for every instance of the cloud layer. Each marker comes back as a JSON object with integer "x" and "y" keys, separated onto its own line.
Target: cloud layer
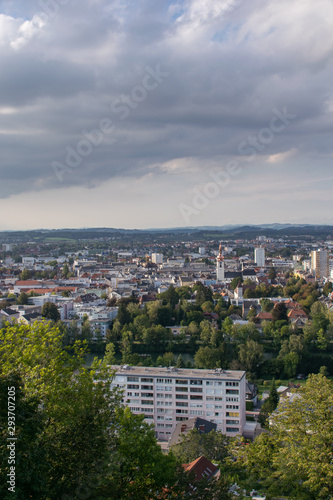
{"x": 154, "y": 96}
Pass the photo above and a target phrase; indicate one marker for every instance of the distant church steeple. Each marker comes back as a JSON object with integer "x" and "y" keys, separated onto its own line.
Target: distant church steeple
{"x": 220, "y": 265}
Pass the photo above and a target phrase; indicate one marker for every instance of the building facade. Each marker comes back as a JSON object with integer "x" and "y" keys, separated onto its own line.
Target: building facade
{"x": 220, "y": 274}
{"x": 166, "y": 396}
{"x": 320, "y": 263}
{"x": 259, "y": 257}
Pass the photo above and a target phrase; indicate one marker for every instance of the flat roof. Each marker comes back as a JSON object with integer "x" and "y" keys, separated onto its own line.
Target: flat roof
{"x": 215, "y": 374}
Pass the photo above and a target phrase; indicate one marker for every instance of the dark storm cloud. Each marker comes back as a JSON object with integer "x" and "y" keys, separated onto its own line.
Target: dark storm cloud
{"x": 228, "y": 64}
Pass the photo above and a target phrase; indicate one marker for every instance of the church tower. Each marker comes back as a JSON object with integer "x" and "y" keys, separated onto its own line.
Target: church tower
{"x": 220, "y": 265}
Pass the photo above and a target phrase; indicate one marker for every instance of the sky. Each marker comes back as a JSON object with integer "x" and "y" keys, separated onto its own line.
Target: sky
{"x": 162, "y": 113}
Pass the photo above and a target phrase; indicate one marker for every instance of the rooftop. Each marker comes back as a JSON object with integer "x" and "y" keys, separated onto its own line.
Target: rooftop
{"x": 216, "y": 374}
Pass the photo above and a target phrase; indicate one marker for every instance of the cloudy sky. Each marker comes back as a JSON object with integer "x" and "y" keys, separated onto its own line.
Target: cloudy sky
{"x": 162, "y": 113}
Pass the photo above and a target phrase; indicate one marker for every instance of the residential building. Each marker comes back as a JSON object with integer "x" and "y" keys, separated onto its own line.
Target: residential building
{"x": 320, "y": 263}
{"x": 167, "y": 396}
{"x": 157, "y": 258}
{"x": 259, "y": 257}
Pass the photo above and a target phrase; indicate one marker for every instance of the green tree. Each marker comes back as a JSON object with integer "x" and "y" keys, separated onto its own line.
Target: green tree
{"x": 50, "y": 311}
{"x": 65, "y": 270}
{"x": 110, "y": 357}
{"x": 251, "y": 355}
{"x": 25, "y": 275}
{"x": 22, "y": 298}
{"x": 193, "y": 444}
{"x": 269, "y": 405}
{"x": 304, "y": 430}
{"x": 280, "y": 312}
{"x": 139, "y": 470}
{"x": 76, "y": 406}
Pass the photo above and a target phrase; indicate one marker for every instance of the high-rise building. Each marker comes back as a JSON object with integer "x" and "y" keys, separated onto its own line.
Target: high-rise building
{"x": 259, "y": 257}
{"x": 220, "y": 266}
{"x": 157, "y": 258}
{"x": 320, "y": 263}
{"x": 166, "y": 396}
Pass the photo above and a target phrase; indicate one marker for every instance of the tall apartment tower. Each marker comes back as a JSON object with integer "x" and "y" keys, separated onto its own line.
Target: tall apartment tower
{"x": 259, "y": 257}
{"x": 157, "y": 258}
{"x": 166, "y": 396}
{"x": 320, "y": 263}
{"x": 220, "y": 265}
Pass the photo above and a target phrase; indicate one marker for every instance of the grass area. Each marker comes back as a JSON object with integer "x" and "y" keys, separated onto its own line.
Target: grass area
{"x": 60, "y": 239}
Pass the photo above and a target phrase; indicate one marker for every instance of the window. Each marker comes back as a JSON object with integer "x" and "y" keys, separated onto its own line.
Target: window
{"x": 148, "y": 410}
{"x": 196, "y": 382}
{"x": 160, "y": 403}
{"x": 209, "y": 382}
{"x": 196, "y": 412}
{"x": 232, "y": 407}
{"x": 168, "y": 396}
{"x": 135, "y": 409}
{"x": 218, "y": 383}
{"x": 160, "y": 410}
{"x": 233, "y": 414}
{"x": 146, "y": 402}
{"x": 168, "y": 381}
{"x": 132, "y": 386}
{"x": 178, "y": 403}
{"x": 232, "y": 391}
{"x": 147, "y": 380}
{"x": 160, "y": 425}
{"x": 232, "y": 384}
{"x": 180, "y": 381}
{"x": 197, "y": 389}
{"x": 209, "y": 398}
{"x": 228, "y": 398}
{"x": 132, "y": 379}
{"x": 147, "y": 394}
{"x": 168, "y": 403}
{"x": 181, "y": 396}
{"x": 209, "y": 406}
{"x": 232, "y": 422}
{"x": 182, "y": 389}
{"x": 169, "y": 412}
{"x": 181, "y": 411}
{"x": 159, "y": 388}
{"x": 160, "y": 395}
{"x": 147, "y": 387}
{"x": 198, "y": 398}
{"x": 218, "y": 399}
{"x": 160, "y": 380}
{"x": 168, "y": 426}
{"x": 149, "y": 417}
{"x": 232, "y": 429}
{"x": 160, "y": 417}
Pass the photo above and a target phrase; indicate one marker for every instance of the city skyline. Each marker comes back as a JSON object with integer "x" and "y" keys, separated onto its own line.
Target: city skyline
{"x": 165, "y": 114}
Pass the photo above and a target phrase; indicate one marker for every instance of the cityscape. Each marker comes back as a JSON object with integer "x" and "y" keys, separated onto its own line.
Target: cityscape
{"x": 166, "y": 250}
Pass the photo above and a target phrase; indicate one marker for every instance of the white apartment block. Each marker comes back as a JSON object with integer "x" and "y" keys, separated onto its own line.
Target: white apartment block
{"x": 167, "y": 396}
{"x": 259, "y": 257}
{"x": 320, "y": 263}
{"x": 157, "y": 258}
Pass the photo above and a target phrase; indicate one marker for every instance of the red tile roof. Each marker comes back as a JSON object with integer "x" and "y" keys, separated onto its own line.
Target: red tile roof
{"x": 201, "y": 467}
